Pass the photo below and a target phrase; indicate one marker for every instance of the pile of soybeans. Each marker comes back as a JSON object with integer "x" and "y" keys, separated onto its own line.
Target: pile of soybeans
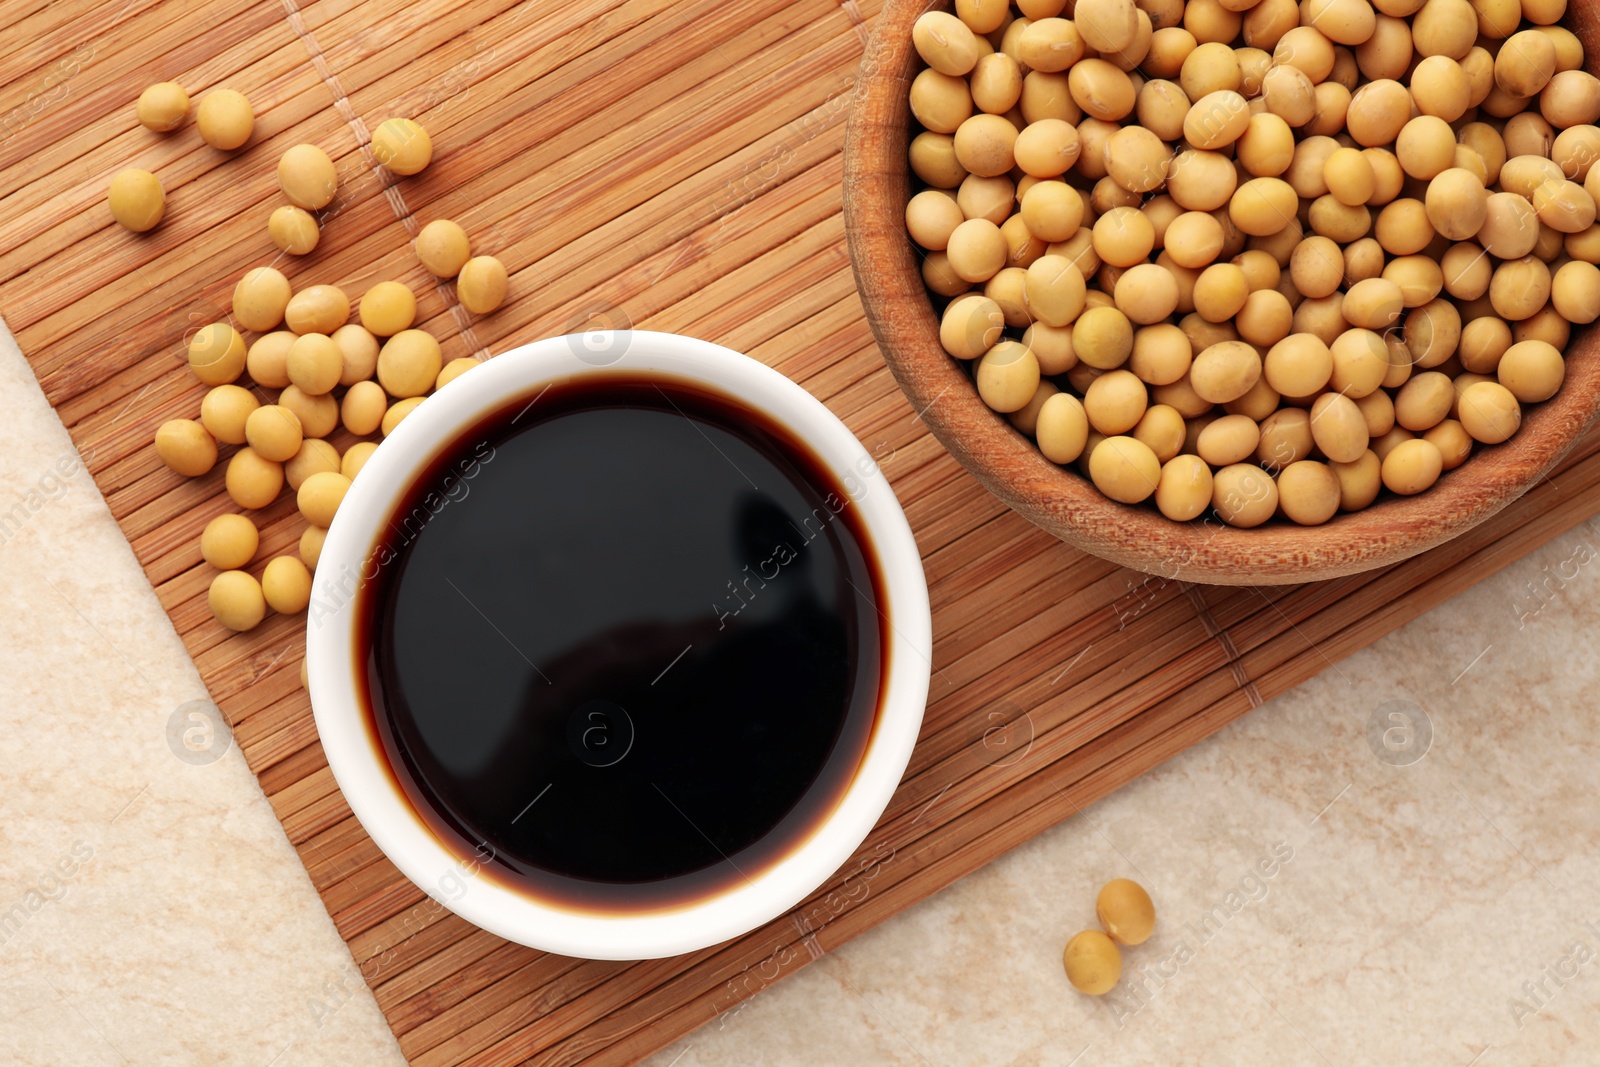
{"x": 1257, "y": 257}
{"x": 312, "y": 368}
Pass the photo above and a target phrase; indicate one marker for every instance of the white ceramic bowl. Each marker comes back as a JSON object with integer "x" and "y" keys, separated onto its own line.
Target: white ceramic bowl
{"x": 356, "y": 758}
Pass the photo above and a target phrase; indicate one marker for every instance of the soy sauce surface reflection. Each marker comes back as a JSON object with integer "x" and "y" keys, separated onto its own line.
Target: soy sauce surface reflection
{"x": 628, "y": 644}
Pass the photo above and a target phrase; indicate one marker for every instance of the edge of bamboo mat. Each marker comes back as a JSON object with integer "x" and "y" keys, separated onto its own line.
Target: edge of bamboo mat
{"x": 1036, "y": 708}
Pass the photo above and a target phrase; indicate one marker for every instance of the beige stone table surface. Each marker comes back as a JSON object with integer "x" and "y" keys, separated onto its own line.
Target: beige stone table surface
{"x": 1395, "y": 863}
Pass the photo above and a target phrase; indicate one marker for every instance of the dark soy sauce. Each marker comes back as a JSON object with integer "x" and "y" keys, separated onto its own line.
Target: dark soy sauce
{"x": 626, "y": 640}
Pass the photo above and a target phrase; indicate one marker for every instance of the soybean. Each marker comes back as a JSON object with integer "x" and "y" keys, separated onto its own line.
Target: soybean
{"x": 1125, "y": 911}
{"x": 1308, "y": 492}
{"x": 229, "y": 542}
{"x": 318, "y": 309}
{"x": 320, "y": 495}
{"x": 443, "y": 247}
{"x": 1124, "y": 469}
{"x": 387, "y": 308}
{"x": 252, "y": 480}
{"x": 313, "y": 457}
{"x": 409, "y": 363}
{"x": 186, "y": 447}
{"x": 236, "y": 600}
{"x": 217, "y": 354}
{"x": 1093, "y": 962}
{"x": 225, "y": 119}
{"x": 137, "y": 199}
{"x": 286, "y": 585}
{"x": 294, "y": 230}
{"x": 163, "y": 107}
{"x": 224, "y": 410}
{"x": 1007, "y": 376}
{"x": 482, "y": 284}
{"x": 402, "y": 145}
{"x": 307, "y": 177}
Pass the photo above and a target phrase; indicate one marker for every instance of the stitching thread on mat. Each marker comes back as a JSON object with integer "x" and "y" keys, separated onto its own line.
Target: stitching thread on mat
{"x": 1246, "y": 686}
{"x": 853, "y": 13}
{"x": 389, "y": 183}
{"x": 808, "y": 937}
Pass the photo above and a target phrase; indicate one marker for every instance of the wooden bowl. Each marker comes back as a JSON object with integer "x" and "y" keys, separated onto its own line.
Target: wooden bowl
{"x": 877, "y": 183}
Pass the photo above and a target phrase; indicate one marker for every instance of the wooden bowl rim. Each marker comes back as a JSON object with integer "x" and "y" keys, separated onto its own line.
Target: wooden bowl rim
{"x": 1008, "y": 464}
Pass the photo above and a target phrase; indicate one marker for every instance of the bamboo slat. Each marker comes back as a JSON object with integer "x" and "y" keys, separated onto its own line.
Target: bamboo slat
{"x": 672, "y": 166}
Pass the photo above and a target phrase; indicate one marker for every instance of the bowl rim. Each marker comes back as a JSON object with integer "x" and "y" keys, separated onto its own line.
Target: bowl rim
{"x": 362, "y": 772}
{"x": 900, "y": 312}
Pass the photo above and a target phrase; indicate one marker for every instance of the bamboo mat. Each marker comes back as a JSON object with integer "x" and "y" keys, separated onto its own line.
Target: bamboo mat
{"x": 670, "y": 164}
